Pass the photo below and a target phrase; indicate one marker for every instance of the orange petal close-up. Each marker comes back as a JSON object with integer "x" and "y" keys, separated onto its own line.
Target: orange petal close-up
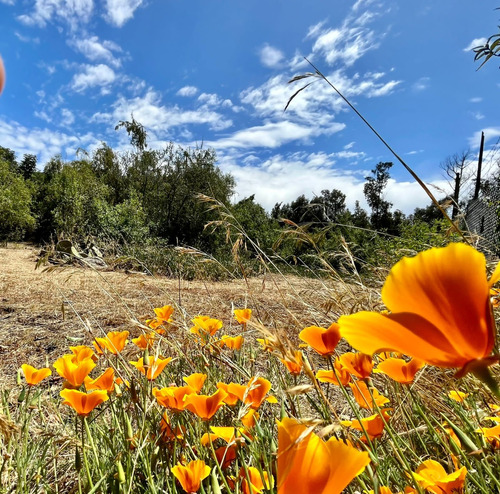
{"x": 440, "y": 310}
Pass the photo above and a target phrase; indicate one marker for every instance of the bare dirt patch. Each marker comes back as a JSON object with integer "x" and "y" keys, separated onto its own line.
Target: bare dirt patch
{"x": 42, "y": 313}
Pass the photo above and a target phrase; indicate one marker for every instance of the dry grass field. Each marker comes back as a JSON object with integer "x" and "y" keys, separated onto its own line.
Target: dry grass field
{"x": 44, "y": 311}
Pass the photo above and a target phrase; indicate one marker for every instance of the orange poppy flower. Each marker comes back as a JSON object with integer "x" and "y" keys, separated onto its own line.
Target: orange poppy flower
{"x": 338, "y": 376}
{"x": 82, "y": 352}
{"x": 114, "y": 342}
{"x": 373, "y": 425}
{"x": 432, "y": 477}
{"x": 232, "y": 342}
{"x": 492, "y": 435}
{"x": 83, "y": 403}
{"x": 204, "y": 326}
{"x": 254, "y": 393}
{"x": 195, "y": 381}
{"x": 34, "y": 376}
{"x": 227, "y": 434}
{"x": 172, "y": 397}
{"x": 144, "y": 341}
{"x": 74, "y": 372}
{"x": 382, "y": 490}
{"x": 363, "y": 397}
{"x": 433, "y": 319}
{"x": 253, "y": 482}
{"x": 153, "y": 368}
{"x": 249, "y": 419}
{"x": 359, "y": 365}
{"x": 399, "y": 370}
{"x": 324, "y": 341}
{"x": 225, "y": 455}
{"x": 294, "y": 366}
{"x": 242, "y": 315}
{"x": 164, "y": 313}
{"x": 169, "y": 434}
{"x": 309, "y": 465}
{"x": 266, "y": 344}
{"x": 232, "y": 396}
{"x": 106, "y": 381}
{"x": 205, "y": 406}
{"x": 191, "y": 475}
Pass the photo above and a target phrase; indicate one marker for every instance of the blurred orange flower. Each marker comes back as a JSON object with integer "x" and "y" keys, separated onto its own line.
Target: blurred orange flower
{"x": 458, "y": 396}
{"x": 205, "y": 325}
{"x": 232, "y": 342}
{"x": 169, "y": 434}
{"x": 153, "y": 368}
{"x": 359, "y": 365}
{"x": 106, "y": 381}
{"x": 339, "y": 373}
{"x": 309, "y": 465}
{"x": 492, "y": 435}
{"x": 83, "y": 403}
{"x": 74, "y": 373}
{"x": 253, "y": 482}
{"x": 205, "y": 406}
{"x": 144, "y": 341}
{"x": 191, "y": 475}
{"x": 242, "y": 315}
{"x": 34, "y": 376}
{"x": 432, "y": 477}
{"x": 367, "y": 398}
{"x": 294, "y": 365}
{"x": 373, "y": 425}
{"x": 399, "y": 370}
{"x": 433, "y": 319}
{"x": 324, "y": 341}
{"x": 114, "y": 342}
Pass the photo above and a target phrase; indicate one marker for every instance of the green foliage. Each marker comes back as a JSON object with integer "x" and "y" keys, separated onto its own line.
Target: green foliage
{"x": 15, "y": 201}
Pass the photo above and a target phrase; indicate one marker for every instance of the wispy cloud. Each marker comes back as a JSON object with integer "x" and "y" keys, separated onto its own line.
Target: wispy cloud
{"x": 490, "y": 133}
{"x": 74, "y": 12}
{"x": 421, "y": 84}
{"x": 95, "y": 50}
{"x": 26, "y": 39}
{"x": 271, "y": 57}
{"x": 91, "y": 76}
{"x": 187, "y": 91}
{"x": 474, "y": 43}
{"x": 118, "y": 12}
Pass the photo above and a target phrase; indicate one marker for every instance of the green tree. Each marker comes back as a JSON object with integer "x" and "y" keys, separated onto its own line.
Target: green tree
{"x": 381, "y": 217}
{"x": 15, "y": 201}
{"x": 27, "y": 166}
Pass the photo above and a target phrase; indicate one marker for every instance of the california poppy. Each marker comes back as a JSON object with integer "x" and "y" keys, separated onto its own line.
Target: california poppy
{"x": 254, "y": 393}
{"x": 232, "y": 342}
{"x": 195, "y": 381}
{"x": 152, "y": 368}
{"x": 34, "y": 376}
{"x": 82, "y": 352}
{"x": 432, "y": 477}
{"x": 399, "y": 370}
{"x": 309, "y": 465}
{"x": 205, "y": 325}
{"x": 83, "y": 403}
{"x": 359, "y": 365}
{"x": 242, "y": 315}
{"x": 144, "y": 341}
{"x": 324, "y": 341}
{"x": 367, "y": 398}
{"x": 372, "y": 425}
{"x": 253, "y": 482}
{"x": 205, "y": 406}
{"x": 172, "y": 397}
{"x": 168, "y": 433}
{"x": 191, "y": 475}
{"x": 106, "y": 381}
{"x": 458, "y": 396}
{"x": 294, "y": 364}
{"x": 339, "y": 375}
{"x": 74, "y": 372}
{"x": 114, "y": 342}
{"x": 441, "y": 311}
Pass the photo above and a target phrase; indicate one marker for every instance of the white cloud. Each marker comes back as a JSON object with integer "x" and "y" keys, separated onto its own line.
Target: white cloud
{"x": 93, "y": 75}
{"x": 489, "y": 134}
{"x": 67, "y": 117}
{"x": 150, "y": 112}
{"x": 7, "y": 2}
{"x": 44, "y": 143}
{"x": 73, "y": 12}
{"x": 118, "y": 12}
{"x": 209, "y": 99}
{"x": 95, "y": 50}
{"x": 477, "y": 115}
{"x": 474, "y": 43}
{"x": 272, "y": 135}
{"x": 26, "y": 39}
{"x": 270, "y": 56}
{"x": 187, "y": 91}
{"x": 476, "y": 99}
{"x": 421, "y": 84}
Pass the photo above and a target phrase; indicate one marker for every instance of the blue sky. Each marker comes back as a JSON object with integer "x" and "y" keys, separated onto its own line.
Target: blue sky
{"x": 215, "y": 72}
